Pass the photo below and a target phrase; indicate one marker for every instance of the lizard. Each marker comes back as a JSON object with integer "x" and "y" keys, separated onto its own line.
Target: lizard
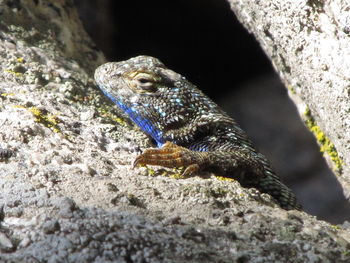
{"x": 189, "y": 129}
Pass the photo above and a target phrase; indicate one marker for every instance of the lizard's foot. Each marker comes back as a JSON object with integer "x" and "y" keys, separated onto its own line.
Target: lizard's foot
{"x": 171, "y": 156}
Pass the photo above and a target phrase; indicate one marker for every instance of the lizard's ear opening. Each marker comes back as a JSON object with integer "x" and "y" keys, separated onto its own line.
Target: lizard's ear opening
{"x": 169, "y": 75}
{"x": 169, "y": 78}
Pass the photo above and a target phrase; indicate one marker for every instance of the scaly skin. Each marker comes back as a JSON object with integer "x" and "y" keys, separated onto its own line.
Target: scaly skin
{"x": 190, "y": 129}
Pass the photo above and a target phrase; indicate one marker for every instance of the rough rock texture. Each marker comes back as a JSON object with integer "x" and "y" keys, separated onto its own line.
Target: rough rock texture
{"x": 68, "y": 193}
{"x": 308, "y": 42}
{"x": 281, "y": 136}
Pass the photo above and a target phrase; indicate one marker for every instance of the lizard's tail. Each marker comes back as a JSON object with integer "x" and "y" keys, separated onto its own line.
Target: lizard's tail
{"x": 272, "y": 185}
{"x": 266, "y": 181}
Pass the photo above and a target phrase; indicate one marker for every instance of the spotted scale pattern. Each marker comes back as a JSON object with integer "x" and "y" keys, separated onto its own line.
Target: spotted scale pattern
{"x": 192, "y": 129}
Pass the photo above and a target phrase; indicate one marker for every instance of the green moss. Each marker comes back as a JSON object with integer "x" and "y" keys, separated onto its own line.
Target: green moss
{"x": 20, "y": 60}
{"x": 215, "y": 192}
{"x": 41, "y": 116}
{"x": 177, "y": 175}
{"x": 291, "y": 89}
{"x": 221, "y": 178}
{"x": 7, "y": 94}
{"x": 326, "y": 146}
{"x": 17, "y": 68}
{"x": 17, "y": 74}
{"x": 48, "y": 120}
{"x": 106, "y": 111}
{"x": 336, "y": 227}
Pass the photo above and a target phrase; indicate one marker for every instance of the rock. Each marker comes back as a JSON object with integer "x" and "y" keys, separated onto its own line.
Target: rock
{"x": 158, "y": 218}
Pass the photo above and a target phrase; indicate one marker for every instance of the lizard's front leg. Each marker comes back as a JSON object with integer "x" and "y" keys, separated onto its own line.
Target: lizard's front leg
{"x": 234, "y": 164}
{"x": 172, "y": 156}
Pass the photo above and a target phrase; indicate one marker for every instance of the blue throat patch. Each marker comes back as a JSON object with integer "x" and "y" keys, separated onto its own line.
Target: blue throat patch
{"x": 145, "y": 124}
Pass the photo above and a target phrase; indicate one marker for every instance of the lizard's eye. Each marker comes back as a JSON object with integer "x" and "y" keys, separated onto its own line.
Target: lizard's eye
{"x": 145, "y": 82}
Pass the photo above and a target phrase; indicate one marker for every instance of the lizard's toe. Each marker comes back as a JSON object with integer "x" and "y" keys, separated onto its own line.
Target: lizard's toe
{"x": 170, "y": 155}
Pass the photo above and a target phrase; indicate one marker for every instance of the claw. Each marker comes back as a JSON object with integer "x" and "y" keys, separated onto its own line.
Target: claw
{"x": 170, "y": 145}
{"x": 193, "y": 168}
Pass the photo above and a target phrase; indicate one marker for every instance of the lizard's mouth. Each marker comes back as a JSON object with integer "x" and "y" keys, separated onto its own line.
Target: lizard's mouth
{"x": 99, "y": 73}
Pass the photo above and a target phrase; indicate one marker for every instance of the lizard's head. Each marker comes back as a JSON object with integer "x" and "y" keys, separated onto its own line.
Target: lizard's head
{"x": 138, "y": 76}
{"x": 156, "y": 98}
